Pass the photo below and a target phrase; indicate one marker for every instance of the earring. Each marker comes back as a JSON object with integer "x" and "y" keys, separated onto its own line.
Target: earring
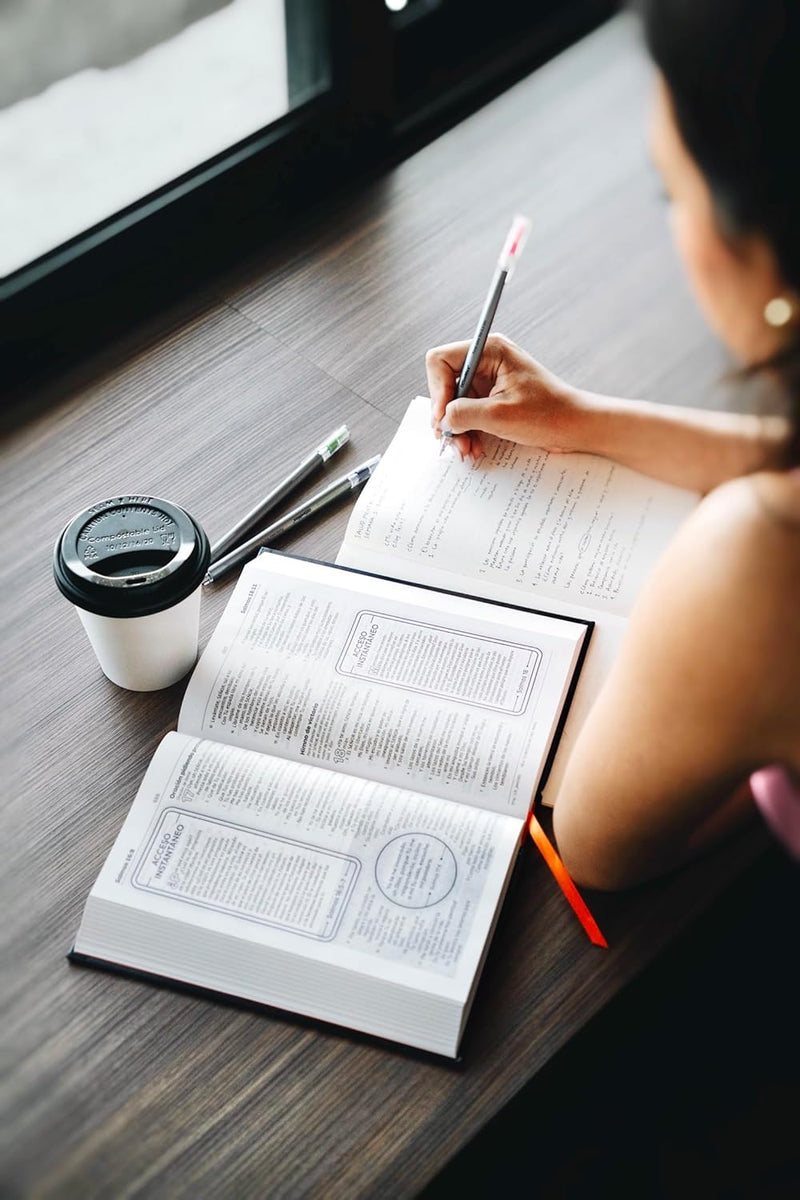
{"x": 778, "y": 312}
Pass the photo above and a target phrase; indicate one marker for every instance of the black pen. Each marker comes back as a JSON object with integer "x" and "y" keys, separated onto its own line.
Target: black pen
{"x": 512, "y": 248}
{"x": 307, "y": 467}
{"x": 335, "y": 489}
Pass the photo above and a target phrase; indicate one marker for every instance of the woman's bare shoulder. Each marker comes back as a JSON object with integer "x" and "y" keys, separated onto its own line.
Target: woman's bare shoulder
{"x": 734, "y": 571}
{"x": 703, "y": 691}
{"x": 778, "y": 495}
{"x": 752, "y": 522}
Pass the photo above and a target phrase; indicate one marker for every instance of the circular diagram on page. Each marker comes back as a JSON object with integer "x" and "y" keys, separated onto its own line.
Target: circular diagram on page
{"x": 416, "y": 870}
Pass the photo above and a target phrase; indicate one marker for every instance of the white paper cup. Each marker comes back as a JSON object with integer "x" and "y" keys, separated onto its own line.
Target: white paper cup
{"x": 146, "y": 653}
{"x": 133, "y": 567}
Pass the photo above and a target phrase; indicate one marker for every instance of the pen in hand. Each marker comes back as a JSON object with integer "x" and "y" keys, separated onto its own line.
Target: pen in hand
{"x": 313, "y": 462}
{"x": 512, "y": 248}
{"x": 328, "y": 495}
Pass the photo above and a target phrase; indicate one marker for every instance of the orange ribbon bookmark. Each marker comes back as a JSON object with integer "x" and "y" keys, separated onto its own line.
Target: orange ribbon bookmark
{"x": 562, "y": 878}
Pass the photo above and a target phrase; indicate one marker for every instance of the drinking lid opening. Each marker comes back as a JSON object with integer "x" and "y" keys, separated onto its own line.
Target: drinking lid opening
{"x": 130, "y": 556}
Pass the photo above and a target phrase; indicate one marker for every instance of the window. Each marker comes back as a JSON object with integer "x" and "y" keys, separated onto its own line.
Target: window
{"x": 137, "y": 139}
{"x": 107, "y": 103}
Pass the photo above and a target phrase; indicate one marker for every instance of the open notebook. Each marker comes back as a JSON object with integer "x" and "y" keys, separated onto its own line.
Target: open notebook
{"x": 571, "y": 534}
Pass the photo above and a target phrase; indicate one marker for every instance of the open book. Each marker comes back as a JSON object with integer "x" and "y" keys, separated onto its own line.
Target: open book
{"x": 572, "y": 534}
{"x": 332, "y": 828}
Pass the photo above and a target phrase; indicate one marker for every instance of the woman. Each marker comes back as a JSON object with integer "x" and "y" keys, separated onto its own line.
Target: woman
{"x": 699, "y": 720}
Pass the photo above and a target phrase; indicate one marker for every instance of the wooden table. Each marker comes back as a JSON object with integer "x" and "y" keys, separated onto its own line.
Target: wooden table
{"x": 117, "y": 1088}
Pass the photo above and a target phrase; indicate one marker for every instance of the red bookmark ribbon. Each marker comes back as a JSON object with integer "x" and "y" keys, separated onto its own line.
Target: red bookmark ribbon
{"x": 562, "y": 878}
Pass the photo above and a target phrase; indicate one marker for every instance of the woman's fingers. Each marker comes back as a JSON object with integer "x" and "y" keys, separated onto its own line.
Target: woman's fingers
{"x": 499, "y": 397}
{"x": 465, "y": 414}
{"x": 443, "y": 366}
{"x": 467, "y": 445}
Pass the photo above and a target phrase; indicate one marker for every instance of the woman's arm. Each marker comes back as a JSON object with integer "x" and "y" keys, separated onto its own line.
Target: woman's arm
{"x": 516, "y": 398}
{"x": 703, "y": 693}
{"x": 691, "y": 448}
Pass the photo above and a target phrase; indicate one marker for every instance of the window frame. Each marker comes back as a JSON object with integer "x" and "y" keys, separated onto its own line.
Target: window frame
{"x": 65, "y": 304}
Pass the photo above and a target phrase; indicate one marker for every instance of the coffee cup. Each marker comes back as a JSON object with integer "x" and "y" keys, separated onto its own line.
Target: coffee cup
{"x": 133, "y": 568}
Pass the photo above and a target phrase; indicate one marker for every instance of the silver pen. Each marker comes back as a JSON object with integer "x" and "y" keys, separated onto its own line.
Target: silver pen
{"x": 328, "y": 495}
{"x": 512, "y": 248}
{"x": 307, "y": 467}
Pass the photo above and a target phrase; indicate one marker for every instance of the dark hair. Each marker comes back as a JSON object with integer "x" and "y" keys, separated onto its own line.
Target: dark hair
{"x": 732, "y": 68}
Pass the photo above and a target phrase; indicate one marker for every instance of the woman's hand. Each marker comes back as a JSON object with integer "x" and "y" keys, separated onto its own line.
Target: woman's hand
{"x": 512, "y": 396}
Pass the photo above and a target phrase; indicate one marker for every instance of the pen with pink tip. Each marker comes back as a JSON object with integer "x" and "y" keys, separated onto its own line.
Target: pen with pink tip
{"x": 512, "y": 248}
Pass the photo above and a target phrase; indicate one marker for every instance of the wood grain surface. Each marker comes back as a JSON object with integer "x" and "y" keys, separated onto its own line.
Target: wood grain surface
{"x": 115, "y": 1088}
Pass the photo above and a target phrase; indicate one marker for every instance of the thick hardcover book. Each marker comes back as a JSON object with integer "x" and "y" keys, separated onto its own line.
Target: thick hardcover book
{"x": 332, "y": 828}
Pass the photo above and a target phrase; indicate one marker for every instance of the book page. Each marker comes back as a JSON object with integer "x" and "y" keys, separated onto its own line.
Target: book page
{"x": 386, "y": 882}
{"x": 572, "y": 529}
{"x": 602, "y": 650}
{"x": 450, "y": 696}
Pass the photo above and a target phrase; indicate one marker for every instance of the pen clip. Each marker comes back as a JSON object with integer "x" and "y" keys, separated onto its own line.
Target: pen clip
{"x": 363, "y": 472}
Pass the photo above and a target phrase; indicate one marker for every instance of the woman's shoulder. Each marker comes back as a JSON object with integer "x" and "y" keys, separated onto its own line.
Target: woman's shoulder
{"x": 741, "y": 549}
{"x": 734, "y": 568}
{"x": 731, "y": 580}
{"x": 753, "y": 521}
{"x": 778, "y": 495}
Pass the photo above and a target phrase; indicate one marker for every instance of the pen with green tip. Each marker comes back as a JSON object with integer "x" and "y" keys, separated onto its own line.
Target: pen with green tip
{"x": 307, "y": 467}
{"x": 332, "y": 492}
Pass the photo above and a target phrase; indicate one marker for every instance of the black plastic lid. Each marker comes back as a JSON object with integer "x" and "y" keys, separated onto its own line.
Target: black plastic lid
{"x": 130, "y": 556}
